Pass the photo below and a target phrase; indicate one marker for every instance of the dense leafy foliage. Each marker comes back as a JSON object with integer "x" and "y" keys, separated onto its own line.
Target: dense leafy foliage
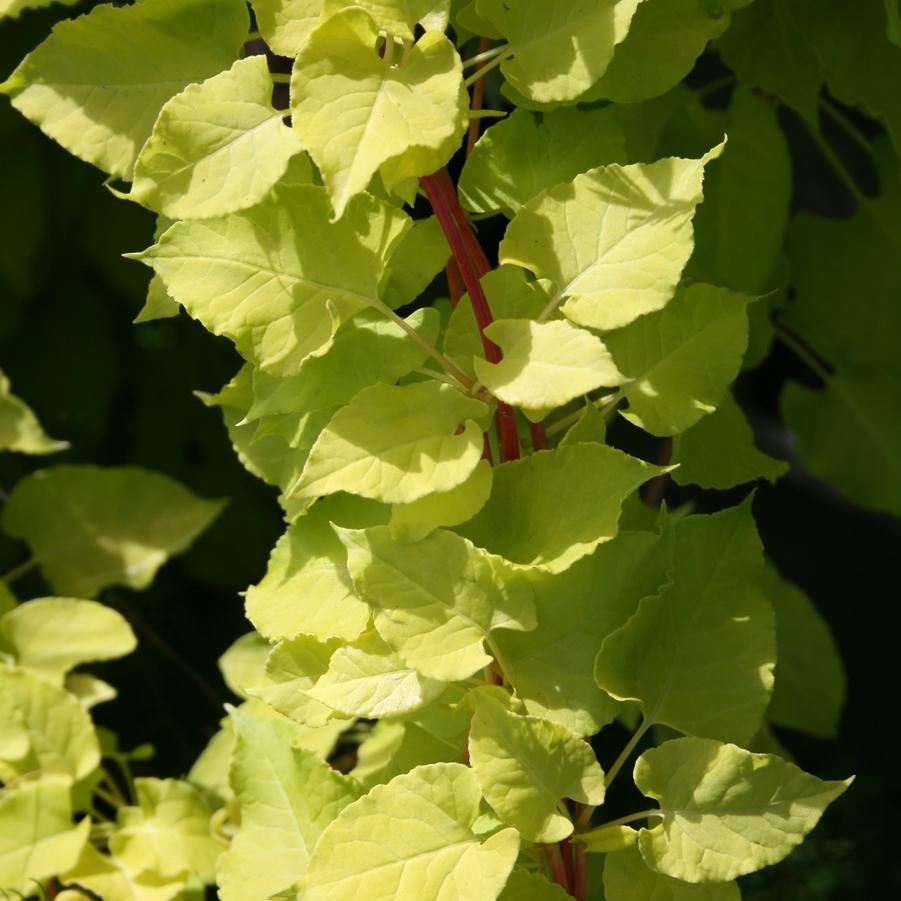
{"x": 473, "y": 591}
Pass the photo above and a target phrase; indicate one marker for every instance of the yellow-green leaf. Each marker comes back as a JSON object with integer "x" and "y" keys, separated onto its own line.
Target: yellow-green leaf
{"x": 19, "y": 427}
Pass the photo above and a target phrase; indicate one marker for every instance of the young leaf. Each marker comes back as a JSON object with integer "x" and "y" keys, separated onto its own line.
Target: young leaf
{"x": 167, "y": 832}
{"x": 50, "y": 636}
{"x": 107, "y": 879}
{"x": 287, "y": 797}
{"x": 436, "y": 601}
{"x": 545, "y": 365}
{"x": 278, "y": 279}
{"x": 718, "y": 451}
{"x": 19, "y": 427}
{"x": 413, "y": 841}
{"x": 61, "y": 737}
{"x": 681, "y": 359}
{"x": 286, "y": 25}
{"x": 522, "y": 155}
{"x": 217, "y": 147}
{"x": 367, "y": 446}
{"x": 561, "y": 50}
{"x": 420, "y": 255}
{"x": 90, "y": 528}
{"x": 613, "y": 241}
{"x": 398, "y": 17}
{"x": 590, "y": 426}
{"x": 810, "y": 680}
{"x": 725, "y": 811}
{"x": 526, "y": 765}
{"x": 96, "y": 84}
{"x": 368, "y": 679}
{"x": 699, "y": 655}
{"x": 306, "y": 588}
{"x": 37, "y": 838}
{"x": 535, "y": 516}
{"x": 525, "y": 886}
{"x": 868, "y": 469}
{"x": 628, "y": 878}
{"x": 552, "y": 667}
{"x": 355, "y": 112}
{"x": 243, "y": 663}
{"x": 608, "y": 839}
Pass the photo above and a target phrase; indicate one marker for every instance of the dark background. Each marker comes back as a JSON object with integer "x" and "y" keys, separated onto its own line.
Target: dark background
{"x": 123, "y": 394}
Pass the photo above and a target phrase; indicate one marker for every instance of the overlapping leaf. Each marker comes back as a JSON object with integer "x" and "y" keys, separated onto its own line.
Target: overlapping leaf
{"x": 535, "y": 516}
{"x": 526, "y": 765}
{"x": 97, "y": 84}
{"x": 90, "y": 528}
{"x": 279, "y": 278}
{"x": 217, "y": 147}
{"x": 613, "y": 241}
{"x": 412, "y": 836}
{"x": 356, "y": 112}
{"x": 725, "y": 811}
{"x": 438, "y": 600}
{"x": 286, "y": 24}
{"x": 561, "y": 50}
{"x": 396, "y": 444}
{"x": 19, "y": 427}
{"x": 699, "y": 655}
{"x": 681, "y": 359}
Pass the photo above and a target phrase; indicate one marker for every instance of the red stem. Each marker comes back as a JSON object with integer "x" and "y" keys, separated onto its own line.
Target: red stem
{"x": 558, "y": 868}
{"x": 478, "y": 95}
{"x": 473, "y": 264}
{"x": 580, "y": 880}
{"x": 566, "y": 852}
{"x": 455, "y": 285}
{"x": 539, "y": 436}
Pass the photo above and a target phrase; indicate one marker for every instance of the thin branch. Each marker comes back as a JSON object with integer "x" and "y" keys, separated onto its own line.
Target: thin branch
{"x": 18, "y": 571}
{"x": 627, "y": 751}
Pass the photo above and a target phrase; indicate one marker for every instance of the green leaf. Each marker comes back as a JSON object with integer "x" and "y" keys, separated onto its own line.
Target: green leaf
{"x": 366, "y": 350}
{"x": 37, "y": 838}
{"x": 519, "y": 157}
{"x": 768, "y": 47}
{"x": 217, "y": 147}
{"x": 420, "y": 255}
{"x": 628, "y": 878}
{"x": 287, "y": 797}
{"x": 368, "y": 446}
{"x": 536, "y": 517}
{"x": 293, "y": 668}
{"x": 61, "y": 737}
{"x": 306, "y": 588}
{"x": 89, "y": 690}
{"x": 96, "y": 84}
{"x": 590, "y": 426}
{"x": 107, "y": 879}
{"x": 552, "y": 667}
{"x": 699, "y": 655}
{"x": 286, "y": 25}
{"x": 681, "y": 359}
{"x": 613, "y": 241}
{"x": 526, "y": 765}
{"x": 608, "y": 839}
{"x": 436, "y": 601}
{"x": 90, "y": 528}
{"x": 740, "y": 227}
{"x": 525, "y": 886}
{"x": 412, "y": 522}
{"x": 10, "y": 9}
{"x": 868, "y": 469}
{"x": 509, "y": 296}
{"x": 810, "y": 680}
{"x": 413, "y": 839}
{"x": 243, "y": 663}
{"x": 545, "y": 365}
{"x": 167, "y": 832}
{"x": 719, "y": 452}
{"x": 725, "y": 811}
{"x": 660, "y": 49}
{"x": 278, "y": 279}
{"x": 355, "y": 112}
{"x": 399, "y": 17}
{"x": 210, "y": 770}
{"x": 50, "y": 636}
{"x": 19, "y": 427}
{"x": 368, "y": 679}
{"x": 558, "y": 51}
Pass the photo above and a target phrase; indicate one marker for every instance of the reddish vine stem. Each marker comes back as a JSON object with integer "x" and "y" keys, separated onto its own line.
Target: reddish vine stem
{"x": 455, "y": 285}
{"x": 539, "y": 436}
{"x": 580, "y": 879}
{"x": 473, "y": 264}
{"x": 558, "y": 868}
{"x": 478, "y": 96}
{"x": 566, "y": 852}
